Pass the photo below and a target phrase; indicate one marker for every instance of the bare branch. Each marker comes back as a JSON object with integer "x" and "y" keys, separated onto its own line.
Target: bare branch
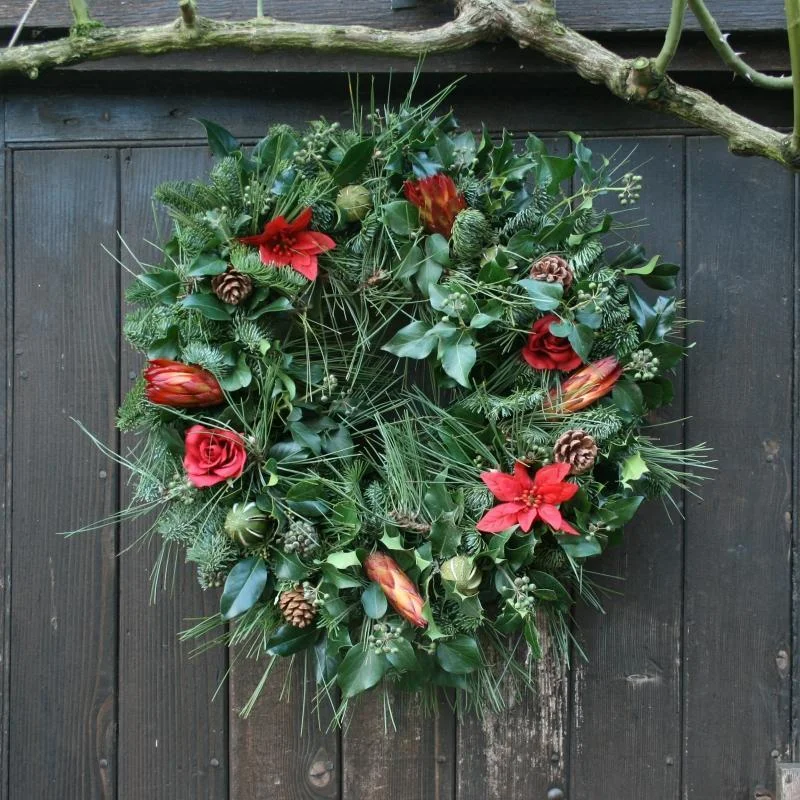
{"x": 532, "y": 24}
{"x": 188, "y": 12}
{"x": 672, "y": 38}
{"x": 719, "y": 41}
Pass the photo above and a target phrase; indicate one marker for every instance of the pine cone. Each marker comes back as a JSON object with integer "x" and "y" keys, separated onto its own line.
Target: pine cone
{"x": 552, "y": 269}
{"x": 295, "y": 608}
{"x": 232, "y": 287}
{"x": 577, "y": 449}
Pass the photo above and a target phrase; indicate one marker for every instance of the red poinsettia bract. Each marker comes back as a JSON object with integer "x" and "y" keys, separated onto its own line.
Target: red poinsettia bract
{"x": 292, "y": 244}
{"x": 438, "y": 201}
{"x": 527, "y": 499}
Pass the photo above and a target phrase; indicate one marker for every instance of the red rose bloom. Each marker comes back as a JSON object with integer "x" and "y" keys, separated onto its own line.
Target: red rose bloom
{"x": 438, "y": 201}
{"x": 546, "y": 351}
{"x": 292, "y": 244}
{"x": 212, "y": 455}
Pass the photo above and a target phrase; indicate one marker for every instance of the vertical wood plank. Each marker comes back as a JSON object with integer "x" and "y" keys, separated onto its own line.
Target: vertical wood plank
{"x": 524, "y": 751}
{"x": 632, "y": 676}
{"x": 64, "y": 605}
{"x": 738, "y": 582}
{"x": 172, "y": 734}
{"x": 5, "y": 473}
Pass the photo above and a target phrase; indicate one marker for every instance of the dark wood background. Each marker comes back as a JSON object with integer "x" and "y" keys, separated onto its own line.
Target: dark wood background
{"x": 688, "y": 690}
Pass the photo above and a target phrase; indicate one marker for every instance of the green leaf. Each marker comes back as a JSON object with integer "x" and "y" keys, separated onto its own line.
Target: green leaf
{"x": 360, "y": 670}
{"x": 445, "y": 536}
{"x": 490, "y": 313}
{"x": 580, "y": 546}
{"x": 354, "y": 162}
{"x": 544, "y": 296}
{"x": 288, "y": 639}
{"x": 458, "y": 358}
{"x": 164, "y": 282}
{"x": 207, "y": 264}
{"x": 409, "y": 265}
{"x": 402, "y": 657}
{"x": 622, "y": 509}
{"x": 243, "y": 587}
{"x": 627, "y": 396}
{"x": 271, "y": 150}
{"x": 656, "y": 275}
{"x": 522, "y": 244}
{"x": 220, "y": 140}
{"x": 289, "y": 567}
{"x": 240, "y": 376}
{"x": 459, "y": 655}
{"x": 437, "y": 248}
{"x": 345, "y": 515}
{"x": 531, "y": 633}
{"x": 428, "y": 274}
{"x": 208, "y": 305}
{"x": 401, "y": 216}
{"x": 343, "y": 560}
{"x": 633, "y": 468}
{"x": 412, "y": 341}
{"x": 374, "y": 602}
{"x": 167, "y": 347}
{"x": 581, "y": 337}
{"x": 554, "y": 170}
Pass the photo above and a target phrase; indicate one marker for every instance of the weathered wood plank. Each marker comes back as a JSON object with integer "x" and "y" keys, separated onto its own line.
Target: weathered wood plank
{"x": 410, "y": 758}
{"x": 523, "y": 751}
{"x": 172, "y": 735}
{"x": 285, "y": 749}
{"x": 625, "y": 15}
{"x": 59, "y": 115}
{"x": 740, "y": 258}
{"x": 5, "y": 472}
{"x": 64, "y": 603}
{"x": 632, "y": 675}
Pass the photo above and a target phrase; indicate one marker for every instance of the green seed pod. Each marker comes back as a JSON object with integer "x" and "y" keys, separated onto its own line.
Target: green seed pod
{"x": 470, "y": 231}
{"x": 247, "y": 524}
{"x": 355, "y": 202}
{"x": 463, "y": 574}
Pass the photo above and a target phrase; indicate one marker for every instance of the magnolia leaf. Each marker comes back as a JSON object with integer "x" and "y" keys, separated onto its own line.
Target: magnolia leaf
{"x": 360, "y": 670}
{"x": 288, "y": 639}
{"x": 221, "y": 141}
{"x": 208, "y": 305}
{"x": 354, "y": 162}
{"x": 374, "y": 602}
{"x": 459, "y": 655}
{"x": 243, "y": 587}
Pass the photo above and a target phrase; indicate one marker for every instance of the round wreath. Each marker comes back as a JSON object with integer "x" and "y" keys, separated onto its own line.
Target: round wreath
{"x": 396, "y": 392}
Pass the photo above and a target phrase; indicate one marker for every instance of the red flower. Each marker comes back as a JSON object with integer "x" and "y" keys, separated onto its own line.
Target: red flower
{"x": 585, "y": 386}
{"x": 292, "y": 244}
{"x": 543, "y": 350}
{"x": 438, "y": 202}
{"x": 525, "y": 500}
{"x": 212, "y": 455}
{"x": 171, "y": 383}
{"x": 403, "y": 595}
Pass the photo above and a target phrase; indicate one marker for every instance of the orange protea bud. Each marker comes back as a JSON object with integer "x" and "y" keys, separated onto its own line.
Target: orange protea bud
{"x": 583, "y": 387}
{"x": 401, "y": 593}
{"x": 171, "y": 383}
{"x": 438, "y": 201}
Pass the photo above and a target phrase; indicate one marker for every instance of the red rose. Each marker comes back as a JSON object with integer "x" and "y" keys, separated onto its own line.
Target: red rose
{"x": 546, "y": 351}
{"x": 212, "y": 455}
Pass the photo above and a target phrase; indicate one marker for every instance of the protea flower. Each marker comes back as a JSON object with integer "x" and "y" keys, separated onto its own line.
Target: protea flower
{"x": 585, "y": 386}
{"x": 402, "y": 594}
{"x": 171, "y": 383}
{"x": 438, "y": 201}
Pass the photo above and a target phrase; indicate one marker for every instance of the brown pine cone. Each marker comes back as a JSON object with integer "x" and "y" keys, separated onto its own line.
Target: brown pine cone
{"x": 296, "y": 609}
{"x": 232, "y": 287}
{"x": 577, "y": 449}
{"x": 552, "y": 269}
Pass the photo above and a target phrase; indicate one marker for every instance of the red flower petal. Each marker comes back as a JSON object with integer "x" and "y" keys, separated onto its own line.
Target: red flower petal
{"x": 528, "y": 517}
{"x": 502, "y": 486}
{"x": 300, "y": 222}
{"x": 557, "y": 492}
{"x": 314, "y": 242}
{"x": 552, "y": 473}
{"x": 500, "y": 518}
{"x": 307, "y": 266}
{"x": 521, "y": 474}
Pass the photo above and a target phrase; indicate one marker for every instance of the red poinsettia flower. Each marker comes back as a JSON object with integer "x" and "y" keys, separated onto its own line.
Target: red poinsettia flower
{"x": 438, "y": 201}
{"x": 527, "y": 499}
{"x": 292, "y": 244}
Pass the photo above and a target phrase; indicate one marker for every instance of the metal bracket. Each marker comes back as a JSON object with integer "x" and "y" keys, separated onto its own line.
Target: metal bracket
{"x": 788, "y": 782}
{"x": 398, "y": 4}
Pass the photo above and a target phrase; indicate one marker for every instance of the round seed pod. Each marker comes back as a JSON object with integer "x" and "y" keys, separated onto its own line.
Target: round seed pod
{"x": 247, "y": 524}
{"x": 463, "y": 574}
{"x": 355, "y": 202}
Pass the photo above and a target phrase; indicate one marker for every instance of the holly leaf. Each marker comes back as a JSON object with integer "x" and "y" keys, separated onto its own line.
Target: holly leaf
{"x": 243, "y": 587}
{"x": 445, "y": 536}
{"x": 632, "y": 468}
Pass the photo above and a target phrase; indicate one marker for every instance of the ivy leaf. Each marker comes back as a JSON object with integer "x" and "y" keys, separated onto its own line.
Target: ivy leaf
{"x": 354, "y": 162}
{"x": 288, "y": 639}
{"x": 360, "y": 670}
{"x": 239, "y": 378}
{"x": 581, "y": 337}
{"x": 458, "y": 358}
{"x": 633, "y": 468}
{"x": 374, "y": 602}
{"x": 522, "y": 244}
{"x": 401, "y": 216}
{"x": 409, "y": 265}
{"x": 208, "y": 305}
{"x": 412, "y": 341}
{"x": 544, "y": 296}
{"x": 459, "y": 655}
{"x": 220, "y": 140}
{"x": 490, "y": 313}
{"x": 437, "y": 248}
{"x": 243, "y": 587}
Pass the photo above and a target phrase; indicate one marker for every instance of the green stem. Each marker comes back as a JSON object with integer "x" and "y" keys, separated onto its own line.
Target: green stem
{"x": 80, "y": 12}
{"x": 793, "y": 31}
{"x": 729, "y": 55}
{"x": 672, "y": 37}
{"x": 259, "y": 8}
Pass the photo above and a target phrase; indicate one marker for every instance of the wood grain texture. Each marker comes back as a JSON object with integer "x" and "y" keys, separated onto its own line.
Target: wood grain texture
{"x": 172, "y": 734}
{"x": 737, "y": 581}
{"x": 623, "y": 15}
{"x": 632, "y": 675}
{"x": 411, "y": 758}
{"x": 64, "y": 602}
{"x": 284, "y": 750}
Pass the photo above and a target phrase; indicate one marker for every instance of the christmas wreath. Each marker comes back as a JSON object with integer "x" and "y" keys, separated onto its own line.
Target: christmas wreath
{"x": 396, "y": 394}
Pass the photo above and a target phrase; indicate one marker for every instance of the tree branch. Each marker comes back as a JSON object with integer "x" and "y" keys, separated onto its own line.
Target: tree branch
{"x": 719, "y": 41}
{"x": 532, "y": 25}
